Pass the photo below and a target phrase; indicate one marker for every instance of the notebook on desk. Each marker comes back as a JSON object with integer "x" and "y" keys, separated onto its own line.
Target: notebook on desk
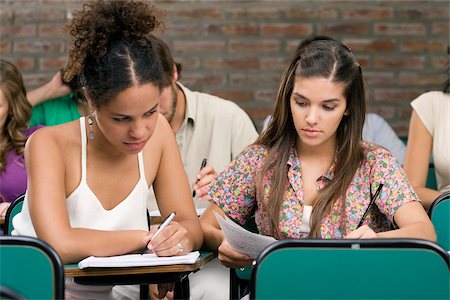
{"x": 137, "y": 260}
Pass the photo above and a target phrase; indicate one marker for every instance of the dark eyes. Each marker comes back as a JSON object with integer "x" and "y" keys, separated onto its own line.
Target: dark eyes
{"x": 326, "y": 107}
{"x": 125, "y": 118}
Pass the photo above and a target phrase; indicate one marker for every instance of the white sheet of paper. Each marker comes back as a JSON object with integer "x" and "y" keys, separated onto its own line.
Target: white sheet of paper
{"x": 137, "y": 260}
{"x": 243, "y": 240}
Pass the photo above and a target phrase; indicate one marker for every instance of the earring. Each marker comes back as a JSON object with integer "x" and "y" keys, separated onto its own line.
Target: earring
{"x": 91, "y": 127}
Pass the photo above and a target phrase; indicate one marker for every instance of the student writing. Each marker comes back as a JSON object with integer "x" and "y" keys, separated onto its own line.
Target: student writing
{"x": 309, "y": 174}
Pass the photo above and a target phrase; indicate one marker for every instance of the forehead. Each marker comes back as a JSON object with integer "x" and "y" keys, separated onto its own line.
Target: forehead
{"x": 134, "y": 100}
{"x": 318, "y": 88}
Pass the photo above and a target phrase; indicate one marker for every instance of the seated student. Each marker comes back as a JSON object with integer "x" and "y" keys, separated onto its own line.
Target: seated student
{"x": 57, "y": 102}
{"x": 14, "y": 117}
{"x": 309, "y": 174}
{"x": 95, "y": 186}
{"x": 429, "y": 132}
{"x": 375, "y": 130}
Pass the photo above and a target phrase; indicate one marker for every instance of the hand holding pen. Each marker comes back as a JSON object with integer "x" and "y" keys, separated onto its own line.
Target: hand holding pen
{"x": 372, "y": 200}
{"x": 161, "y": 226}
{"x": 204, "y": 161}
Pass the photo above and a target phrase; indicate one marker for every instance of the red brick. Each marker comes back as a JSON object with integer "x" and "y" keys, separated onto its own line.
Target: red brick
{"x": 51, "y": 30}
{"x": 265, "y": 95}
{"x": 440, "y": 28}
{"x": 253, "y": 13}
{"x": 194, "y": 46}
{"x": 315, "y": 13}
{"x": 422, "y": 13}
{"x": 400, "y": 127}
{"x": 405, "y": 111}
{"x": 438, "y": 62}
{"x": 188, "y": 63}
{"x": 174, "y": 29}
{"x": 6, "y": 16}
{"x": 387, "y": 112}
{"x": 287, "y": 29}
{"x": 18, "y": 31}
{"x": 397, "y": 62}
{"x": 253, "y": 46}
{"x": 274, "y": 63}
{"x": 5, "y": 47}
{"x": 342, "y": 28}
{"x": 380, "y": 78}
{"x": 197, "y": 13}
{"x": 372, "y": 13}
{"x": 399, "y": 29}
{"x": 420, "y": 79}
{"x": 258, "y": 113}
{"x": 370, "y": 45}
{"x": 233, "y": 29}
{"x": 36, "y": 79}
{"x": 198, "y": 80}
{"x": 40, "y": 46}
{"x": 46, "y": 15}
{"x": 52, "y": 63}
{"x": 231, "y": 63}
{"x": 423, "y": 46}
{"x": 251, "y": 79}
{"x": 22, "y": 63}
{"x": 234, "y": 95}
{"x": 395, "y": 95}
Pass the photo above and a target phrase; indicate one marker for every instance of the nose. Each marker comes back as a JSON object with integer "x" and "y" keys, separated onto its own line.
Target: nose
{"x": 312, "y": 116}
{"x": 138, "y": 129}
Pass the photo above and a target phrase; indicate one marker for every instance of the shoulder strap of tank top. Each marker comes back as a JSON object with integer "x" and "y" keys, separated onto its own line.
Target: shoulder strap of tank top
{"x": 83, "y": 148}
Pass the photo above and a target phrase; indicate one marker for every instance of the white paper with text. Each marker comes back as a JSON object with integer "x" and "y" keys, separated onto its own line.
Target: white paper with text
{"x": 137, "y": 260}
{"x": 243, "y": 240}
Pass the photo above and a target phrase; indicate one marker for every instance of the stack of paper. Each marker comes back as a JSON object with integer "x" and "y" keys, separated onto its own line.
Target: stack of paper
{"x": 137, "y": 260}
{"x": 243, "y": 240}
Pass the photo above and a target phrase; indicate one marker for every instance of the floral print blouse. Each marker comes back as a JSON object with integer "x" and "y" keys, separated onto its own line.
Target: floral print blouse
{"x": 234, "y": 191}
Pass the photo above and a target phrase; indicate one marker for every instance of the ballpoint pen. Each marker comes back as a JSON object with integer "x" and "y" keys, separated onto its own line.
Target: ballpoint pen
{"x": 161, "y": 226}
{"x": 204, "y": 161}
{"x": 372, "y": 200}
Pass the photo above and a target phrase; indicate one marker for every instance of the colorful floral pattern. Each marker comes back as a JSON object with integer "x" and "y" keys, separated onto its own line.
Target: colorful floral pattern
{"x": 234, "y": 190}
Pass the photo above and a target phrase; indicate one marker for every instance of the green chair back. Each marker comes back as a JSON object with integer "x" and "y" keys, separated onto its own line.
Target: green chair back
{"x": 351, "y": 269}
{"x": 31, "y": 268}
{"x": 13, "y": 209}
{"x": 439, "y": 213}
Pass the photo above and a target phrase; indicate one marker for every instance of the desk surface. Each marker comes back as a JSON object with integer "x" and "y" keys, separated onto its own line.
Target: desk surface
{"x": 72, "y": 270}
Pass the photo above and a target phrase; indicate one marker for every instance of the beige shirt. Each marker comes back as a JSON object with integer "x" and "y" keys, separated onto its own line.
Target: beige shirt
{"x": 433, "y": 109}
{"x": 213, "y": 128}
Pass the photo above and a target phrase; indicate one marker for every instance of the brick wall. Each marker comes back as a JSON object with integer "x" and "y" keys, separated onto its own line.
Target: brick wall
{"x": 238, "y": 49}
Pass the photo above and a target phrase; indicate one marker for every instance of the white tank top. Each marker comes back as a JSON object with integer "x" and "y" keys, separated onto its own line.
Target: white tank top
{"x": 86, "y": 211}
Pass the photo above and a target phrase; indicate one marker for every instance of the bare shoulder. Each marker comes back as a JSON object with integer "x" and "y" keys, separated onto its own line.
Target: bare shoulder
{"x": 53, "y": 141}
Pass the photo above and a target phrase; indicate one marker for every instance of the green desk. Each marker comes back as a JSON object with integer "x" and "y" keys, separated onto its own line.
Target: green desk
{"x": 141, "y": 275}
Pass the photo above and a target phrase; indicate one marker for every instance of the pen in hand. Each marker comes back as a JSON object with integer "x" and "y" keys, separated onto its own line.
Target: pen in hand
{"x": 372, "y": 200}
{"x": 201, "y": 167}
{"x": 161, "y": 226}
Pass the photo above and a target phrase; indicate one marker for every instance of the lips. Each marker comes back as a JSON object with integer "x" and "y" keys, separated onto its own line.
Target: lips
{"x": 136, "y": 145}
{"x": 309, "y": 132}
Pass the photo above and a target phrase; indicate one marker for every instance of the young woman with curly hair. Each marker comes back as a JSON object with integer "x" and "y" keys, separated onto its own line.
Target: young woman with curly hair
{"x": 15, "y": 111}
{"x": 91, "y": 177}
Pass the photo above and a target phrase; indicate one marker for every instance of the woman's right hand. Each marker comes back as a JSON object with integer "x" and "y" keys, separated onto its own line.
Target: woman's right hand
{"x": 232, "y": 258}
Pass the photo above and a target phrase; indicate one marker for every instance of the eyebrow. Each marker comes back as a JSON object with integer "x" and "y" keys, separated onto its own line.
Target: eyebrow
{"x": 326, "y": 100}
{"x": 121, "y": 115}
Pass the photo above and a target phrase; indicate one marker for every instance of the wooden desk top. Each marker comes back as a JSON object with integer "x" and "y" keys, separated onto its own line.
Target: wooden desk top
{"x": 72, "y": 270}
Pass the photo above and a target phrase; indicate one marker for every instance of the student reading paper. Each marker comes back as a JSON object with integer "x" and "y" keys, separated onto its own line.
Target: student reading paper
{"x": 89, "y": 179}
{"x": 309, "y": 174}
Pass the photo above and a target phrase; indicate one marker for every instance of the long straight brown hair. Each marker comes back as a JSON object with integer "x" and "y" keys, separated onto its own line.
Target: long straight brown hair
{"x": 320, "y": 59}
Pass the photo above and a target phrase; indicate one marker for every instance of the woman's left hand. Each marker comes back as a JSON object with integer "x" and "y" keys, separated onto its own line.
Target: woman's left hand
{"x": 3, "y": 208}
{"x": 172, "y": 240}
{"x": 363, "y": 232}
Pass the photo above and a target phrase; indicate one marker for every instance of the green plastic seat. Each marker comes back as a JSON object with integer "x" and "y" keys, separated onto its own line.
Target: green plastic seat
{"x": 439, "y": 214}
{"x": 13, "y": 209}
{"x": 351, "y": 269}
{"x": 30, "y": 268}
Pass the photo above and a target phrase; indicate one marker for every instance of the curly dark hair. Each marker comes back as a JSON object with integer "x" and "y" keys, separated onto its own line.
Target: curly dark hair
{"x": 19, "y": 111}
{"x": 110, "y": 51}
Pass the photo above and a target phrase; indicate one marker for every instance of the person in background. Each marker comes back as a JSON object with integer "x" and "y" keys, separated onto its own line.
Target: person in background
{"x": 15, "y": 114}
{"x": 429, "y": 134}
{"x": 91, "y": 176}
{"x": 376, "y": 130}
{"x": 205, "y": 126}
{"x": 309, "y": 175}
{"x": 57, "y": 102}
